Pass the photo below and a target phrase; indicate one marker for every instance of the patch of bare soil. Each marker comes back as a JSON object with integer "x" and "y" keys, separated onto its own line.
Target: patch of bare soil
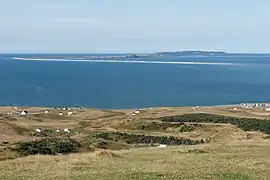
{"x": 255, "y": 135}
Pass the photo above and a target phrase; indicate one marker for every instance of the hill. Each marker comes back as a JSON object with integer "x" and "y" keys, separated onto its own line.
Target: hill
{"x": 191, "y": 53}
{"x": 151, "y": 143}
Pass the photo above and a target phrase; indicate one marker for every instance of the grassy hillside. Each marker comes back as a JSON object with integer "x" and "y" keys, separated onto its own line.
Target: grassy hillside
{"x": 206, "y": 143}
{"x": 232, "y": 161}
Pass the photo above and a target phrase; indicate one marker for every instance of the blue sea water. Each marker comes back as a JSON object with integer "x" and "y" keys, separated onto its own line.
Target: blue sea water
{"x": 131, "y": 85}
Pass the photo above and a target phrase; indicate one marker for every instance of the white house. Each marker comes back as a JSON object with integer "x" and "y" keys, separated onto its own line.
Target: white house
{"x": 267, "y": 109}
{"x": 38, "y": 130}
{"x": 57, "y": 130}
{"x": 66, "y": 130}
{"x": 61, "y": 114}
{"x": 46, "y": 112}
{"x": 162, "y": 146}
{"x": 23, "y": 113}
{"x": 70, "y": 113}
{"x": 137, "y": 112}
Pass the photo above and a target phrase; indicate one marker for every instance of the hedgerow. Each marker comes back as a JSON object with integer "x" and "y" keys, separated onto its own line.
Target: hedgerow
{"x": 49, "y": 146}
{"x": 145, "y": 139}
{"x": 246, "y": 124}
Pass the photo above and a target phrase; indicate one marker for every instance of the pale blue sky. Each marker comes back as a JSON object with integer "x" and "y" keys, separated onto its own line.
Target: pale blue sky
{"x": 134, "y": 25}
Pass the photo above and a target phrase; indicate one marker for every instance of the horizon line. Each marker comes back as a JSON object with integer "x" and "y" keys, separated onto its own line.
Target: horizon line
{"x": 74, "y": 52}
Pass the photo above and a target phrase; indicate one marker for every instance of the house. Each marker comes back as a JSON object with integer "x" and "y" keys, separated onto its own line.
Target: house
{"x": 162, "y": 146}
{"x": 70, "y": 113}
{"x": 61, "y": 114}
{"x": 23, "y": 113}
{"x": 46, "y": 112}
{"x": 267, "y": 109}
{"x": 57, "y": 130}
{"x": 38, "y": 130}
{"x": 137, "y": 111}
{"x": 66, "y": 130}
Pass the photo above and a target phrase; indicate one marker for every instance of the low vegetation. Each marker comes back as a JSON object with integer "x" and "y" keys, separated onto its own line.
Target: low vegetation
{"x": 246, "y": 124}
{"x": 143, "y": 139}
{"x": 49, "y": 146}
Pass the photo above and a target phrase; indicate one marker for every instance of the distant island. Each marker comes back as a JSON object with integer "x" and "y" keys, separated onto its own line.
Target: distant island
{"x": 191, "y": 53}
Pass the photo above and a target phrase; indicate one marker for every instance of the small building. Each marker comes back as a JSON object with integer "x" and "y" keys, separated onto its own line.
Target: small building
{"x": 38, "y": 130}
{"x": 66, "y": 130}
{"x": 162, "y": 146}
{"x": 267, "y": 109}
{"x": 23, "y": 113}
{"x": 46, "y": 112}
{"x": 58, "y": 130}
{"x": 137, "y": 111}
{"x": 70, "y": 113}
{"x": 61, "y": 114}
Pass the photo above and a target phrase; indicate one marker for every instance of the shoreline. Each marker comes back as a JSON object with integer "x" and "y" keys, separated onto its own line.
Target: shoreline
{"x": 84, "y": 107}
{"x": 125, "y": 61}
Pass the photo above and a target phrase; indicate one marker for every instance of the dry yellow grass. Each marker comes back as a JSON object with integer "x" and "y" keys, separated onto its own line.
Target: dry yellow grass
{"x": 235, "y": 160}
{"x": 236, "y": 154}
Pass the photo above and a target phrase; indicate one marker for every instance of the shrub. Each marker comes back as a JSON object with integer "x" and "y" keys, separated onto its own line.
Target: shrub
{"x": 246, "y": 124}
{"x": 49, "y": 146}
{"x": 143, "y": 139}
{"x": 186, "y": 128}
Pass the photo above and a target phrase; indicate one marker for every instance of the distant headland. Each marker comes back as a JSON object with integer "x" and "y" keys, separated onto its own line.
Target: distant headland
{"x": 191, "y": 53}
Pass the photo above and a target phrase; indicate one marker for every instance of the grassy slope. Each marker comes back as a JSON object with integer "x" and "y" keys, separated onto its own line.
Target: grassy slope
{"x": 239, "y": 160}
{"x": 235, "y": 158}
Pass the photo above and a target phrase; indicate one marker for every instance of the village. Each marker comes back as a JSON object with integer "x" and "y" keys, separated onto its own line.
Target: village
{"x": 58, "y": 111}
{"x": 264, "y": 106}
{"x": 54, "y": 113}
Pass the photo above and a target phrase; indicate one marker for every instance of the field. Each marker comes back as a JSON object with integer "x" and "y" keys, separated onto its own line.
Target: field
{"x": 225, "y": 142}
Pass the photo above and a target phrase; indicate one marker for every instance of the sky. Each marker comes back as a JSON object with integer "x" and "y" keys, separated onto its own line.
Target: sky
{"x": 120, "y": 26}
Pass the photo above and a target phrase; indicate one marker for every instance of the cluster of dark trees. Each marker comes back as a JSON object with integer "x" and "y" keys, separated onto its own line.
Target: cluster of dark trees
{"x": 246, "y": 124}
{"x": 49, "y": 146}
{"x": 143, "y": 139}
{"x": 187, "y": 128}
{"x": 153, "y": 126}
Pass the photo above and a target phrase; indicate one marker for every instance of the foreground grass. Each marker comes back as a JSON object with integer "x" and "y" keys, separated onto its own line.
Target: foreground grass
{"x": 240, "y": 160}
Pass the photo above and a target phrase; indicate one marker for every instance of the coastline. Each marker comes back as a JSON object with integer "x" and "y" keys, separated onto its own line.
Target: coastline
{"x": 125, "y": 61}
{"x": 121, "y": 109}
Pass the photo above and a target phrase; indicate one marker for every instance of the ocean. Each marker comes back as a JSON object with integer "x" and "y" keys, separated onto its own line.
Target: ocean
{"x": 134, "y": 85}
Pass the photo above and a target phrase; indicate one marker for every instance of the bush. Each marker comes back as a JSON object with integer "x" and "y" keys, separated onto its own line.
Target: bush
{"x": 49, "y": 146}
{"x": 142, "y": 139}
{"x": 186, "y": 128}
{"x": 246, "y": 124}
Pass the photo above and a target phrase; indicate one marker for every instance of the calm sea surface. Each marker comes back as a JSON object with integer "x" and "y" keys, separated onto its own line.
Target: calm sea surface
{"x": 131, "y": 85}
